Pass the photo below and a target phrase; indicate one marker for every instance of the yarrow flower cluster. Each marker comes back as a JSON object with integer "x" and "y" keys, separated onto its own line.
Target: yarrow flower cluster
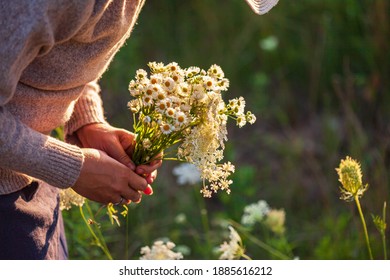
{"x": 255, "y": 212}
{"x": 160, "y": 251}
{"x": 69, "y": 197}
{"x": 174, "y": 105}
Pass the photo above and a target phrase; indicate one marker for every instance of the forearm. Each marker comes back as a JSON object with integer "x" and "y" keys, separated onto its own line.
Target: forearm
{"x": 37, "y": 155}
{"x": 88, "y": 109}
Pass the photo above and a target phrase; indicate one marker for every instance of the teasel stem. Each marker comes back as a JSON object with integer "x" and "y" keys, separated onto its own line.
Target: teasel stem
{"x": 383, "y": 232}
{"x": 364, "y": 226}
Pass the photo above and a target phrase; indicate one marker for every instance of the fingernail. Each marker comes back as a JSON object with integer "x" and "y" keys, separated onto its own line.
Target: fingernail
{"x": 148, "y": 190}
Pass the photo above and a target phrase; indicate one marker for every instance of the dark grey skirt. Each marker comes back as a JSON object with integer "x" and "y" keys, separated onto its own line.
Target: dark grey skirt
{"x": 31, "y": 226}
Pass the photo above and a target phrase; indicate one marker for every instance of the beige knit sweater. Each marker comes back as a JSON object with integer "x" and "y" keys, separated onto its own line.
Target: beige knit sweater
{"x": 52, "y": 52}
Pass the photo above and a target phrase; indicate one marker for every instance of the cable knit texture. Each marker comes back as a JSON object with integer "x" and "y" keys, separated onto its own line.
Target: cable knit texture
{"x": 52, "y": 54}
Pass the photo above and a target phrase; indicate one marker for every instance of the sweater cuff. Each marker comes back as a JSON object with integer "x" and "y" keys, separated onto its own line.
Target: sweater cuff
{"x": 62, "y": 163}
{"x": 88, "y": 109}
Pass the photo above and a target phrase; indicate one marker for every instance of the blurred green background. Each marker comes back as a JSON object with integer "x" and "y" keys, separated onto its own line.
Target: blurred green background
{"x": 316, "y": 75}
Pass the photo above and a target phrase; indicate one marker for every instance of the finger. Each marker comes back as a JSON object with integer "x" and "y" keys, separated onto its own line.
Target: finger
{"x": 132, "y": 195}
{"x": 127, "y": 140}
{"x": 148, "y": 190}
{"x": 116, "y": 151}
{"x": 148, "y": 168}
{"x": 151, "y": 177}
{"x": 136, "y": 182}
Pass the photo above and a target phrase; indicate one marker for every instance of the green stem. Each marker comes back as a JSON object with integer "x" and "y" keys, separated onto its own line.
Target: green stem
{"x": 383, "y": 232}
{"x": 245, "y": 256}
{"x": 127, "y": 235}
{"x": 205, "y": 222}
{"x": 99, "y": 241}
{"x": 364, "y": 226}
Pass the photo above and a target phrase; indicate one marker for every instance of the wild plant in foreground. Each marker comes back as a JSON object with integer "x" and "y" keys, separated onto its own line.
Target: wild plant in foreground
{"x": 160, "y": 251}
{"x": 352, "y": 188}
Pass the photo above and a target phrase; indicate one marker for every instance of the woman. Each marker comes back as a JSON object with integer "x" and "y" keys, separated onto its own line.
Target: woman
{"x": 52, "y": 53}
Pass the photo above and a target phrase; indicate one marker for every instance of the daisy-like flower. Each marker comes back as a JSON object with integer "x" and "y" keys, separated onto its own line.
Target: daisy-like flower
{"x": 209, "y": 83}
{"x": 169, "y": 84}
{"x": 223, "y": 84}
{"x": 233, "y": 249}
{"x": 215, "y": 71}
{"x": 147, "y": 100}
{"x": 241, "y": 120}
{"x": 69, "y": 197}
{"x": 350, "y": 177}
{"x": 180, "y": 118}
{"x": 160, "y": 251}
{"x": 156, "y": 79}
{"x": 166, "y": 128}
{"x": 161, "y": 106}
{"x": 170, "y": 112}
{"x": 134, "y": 105}
{"x": 141, "y": 74}
{"x": 250, "y": 118}
{"x": 185, "y": 89}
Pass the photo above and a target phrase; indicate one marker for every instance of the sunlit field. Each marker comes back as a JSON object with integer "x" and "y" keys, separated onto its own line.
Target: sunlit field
{"x": 316, "y": 76}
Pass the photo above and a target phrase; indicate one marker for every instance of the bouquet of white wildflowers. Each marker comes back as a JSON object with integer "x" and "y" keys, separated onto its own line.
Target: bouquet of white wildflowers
{"x": 174, "y": 105}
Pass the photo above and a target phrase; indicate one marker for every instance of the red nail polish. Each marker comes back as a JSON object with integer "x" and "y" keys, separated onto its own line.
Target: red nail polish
{"x": 148, "y": 190}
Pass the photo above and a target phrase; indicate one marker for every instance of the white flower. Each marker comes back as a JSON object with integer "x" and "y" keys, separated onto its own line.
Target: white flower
{"x": 251, "y": 118}
{"x": 241, "y": 120}
{"x": 215, "y": 71}
{"x": 209, "y": 83}
{"x": 234, "y": 249}
{"x": 223, "y": 84}
{"x": 146, "y": 143}
{"x": 169, "y": 84}
{"x": 160, "y": 251}
{"x": 141, "y": 74}
{"x": 69, "y": 197}
{"x": 186, "y": 173}
{"x": 180, "y": 118}
{"x": 155, "y": 79}
{"x": 170, "y": 112}
{"x": 255, "y": 213}
{"x": 198, "y": 92}
{"x": 147, "y": 100}
{"x": 166, "y": 128}
{"x": 161, "y": 106}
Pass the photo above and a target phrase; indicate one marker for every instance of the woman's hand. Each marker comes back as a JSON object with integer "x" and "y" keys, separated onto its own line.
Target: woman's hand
{"x": 106, "y": 180}
{"x": 119, "y": 145}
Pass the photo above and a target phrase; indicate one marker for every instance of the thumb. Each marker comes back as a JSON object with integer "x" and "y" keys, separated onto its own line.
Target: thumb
{"x": 117, "y": 152}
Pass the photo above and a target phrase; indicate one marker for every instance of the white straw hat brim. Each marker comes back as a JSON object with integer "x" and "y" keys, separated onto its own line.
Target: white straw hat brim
{"x": 262, "y": 6}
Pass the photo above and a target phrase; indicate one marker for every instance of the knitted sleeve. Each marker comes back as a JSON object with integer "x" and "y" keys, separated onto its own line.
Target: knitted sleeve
{"x": 88, "y": 109}
{"x": 29, "y": 30}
